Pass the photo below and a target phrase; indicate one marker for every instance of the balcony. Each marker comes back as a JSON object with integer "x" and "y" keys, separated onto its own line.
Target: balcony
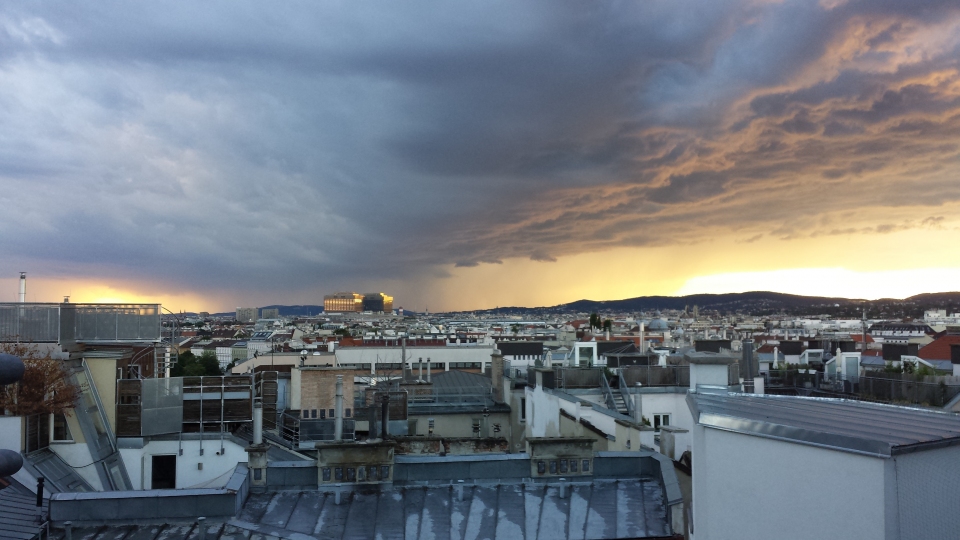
{"x": 79, "y": 323}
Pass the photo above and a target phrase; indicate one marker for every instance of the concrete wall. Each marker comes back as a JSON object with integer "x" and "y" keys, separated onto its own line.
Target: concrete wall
{"x": 292, "y": 475}
{"x": 461, "y": 424}
{"x": 104, "y": 373}
{"x": 927, "y": 493}
{"x": 543, "y": 413}
{"x": 752, "y": 487}
{"x": 466, "y": 468}
{"x": 392, "y": 355}
{"x": 709, "y": 374}
{"x": 214, "y": 474}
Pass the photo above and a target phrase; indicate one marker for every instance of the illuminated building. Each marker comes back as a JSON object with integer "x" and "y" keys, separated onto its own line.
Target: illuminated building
{"x": 343, "y": 302}
{"x": 377, "y": 302}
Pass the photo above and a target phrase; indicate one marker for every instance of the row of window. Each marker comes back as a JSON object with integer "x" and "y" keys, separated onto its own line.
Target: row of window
{"x": 312, "y": 413}
{"x": 370, "y": 473}
{"x": 563, "y": 466}
{"x": 415, "y": 365}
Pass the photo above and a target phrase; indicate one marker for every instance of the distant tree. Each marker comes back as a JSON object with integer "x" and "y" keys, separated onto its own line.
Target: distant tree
{"x": 608, "y": 325}
{"x": 45, "y": 387}
{"x": 190, "y": 365}
{"x": 594, "y": 321}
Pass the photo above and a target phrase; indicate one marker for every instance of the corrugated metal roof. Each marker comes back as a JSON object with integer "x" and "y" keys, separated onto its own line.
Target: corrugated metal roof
{"x": 852, "y": 426}
{"x": 18, "y": 515}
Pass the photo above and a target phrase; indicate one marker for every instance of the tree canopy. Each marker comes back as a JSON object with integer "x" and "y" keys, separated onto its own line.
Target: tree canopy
{"x": 46, "y": 386}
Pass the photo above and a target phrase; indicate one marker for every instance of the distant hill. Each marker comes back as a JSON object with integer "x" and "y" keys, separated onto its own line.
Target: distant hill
{"x": 754, "y": 302}
{"x": 285, "y": 311}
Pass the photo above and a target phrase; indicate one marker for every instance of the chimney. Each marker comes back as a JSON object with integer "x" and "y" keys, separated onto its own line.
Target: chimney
{"x": 643, "y": 344}
{"x": 420, "y": 364}
{"x": 758, "y": 386}
{"x": 428, "y": 369}
{"x": 403, "y": 358}
{"x": 748, "y": 366}
{"x": 637, "y": 409}
{"x": 257, "y": 423}
{"x": 776, "y": 356}
{"x": 23, "y": 287}
{"x": 338, "y": 411}
{"x": 496, "y": 374}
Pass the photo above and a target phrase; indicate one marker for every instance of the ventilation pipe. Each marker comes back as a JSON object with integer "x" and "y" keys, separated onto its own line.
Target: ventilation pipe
{"x": 23, "y": 287}
{"x": 420, "y": 364}
{"x": 643, "y": 344}
{"x": 338, "y": 411}
{"x": 459, "y": 490}
{"x": 563, "y": 488}
{"x": 257, "y": 423}
{"x": 428, "y": 369}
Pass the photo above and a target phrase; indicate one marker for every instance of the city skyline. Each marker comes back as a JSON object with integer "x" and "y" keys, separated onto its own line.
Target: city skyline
{"x": 464, "y": 157}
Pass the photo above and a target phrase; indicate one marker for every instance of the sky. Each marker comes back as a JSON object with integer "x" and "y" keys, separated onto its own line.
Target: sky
{"x": 209, "y": 155}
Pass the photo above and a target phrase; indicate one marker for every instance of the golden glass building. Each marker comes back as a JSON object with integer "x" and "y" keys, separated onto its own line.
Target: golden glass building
{"x": 347, "y": 302}
{"x": 343, "y": 302}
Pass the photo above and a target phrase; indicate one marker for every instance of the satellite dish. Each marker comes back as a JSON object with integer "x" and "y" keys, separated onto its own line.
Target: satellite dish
{"x": 11, "y": 369}
{"x": 10, "y": 462}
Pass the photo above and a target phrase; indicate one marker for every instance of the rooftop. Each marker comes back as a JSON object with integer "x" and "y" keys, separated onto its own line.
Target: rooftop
{"x": 631, "y": 508}
{"x": 850, "y": 426}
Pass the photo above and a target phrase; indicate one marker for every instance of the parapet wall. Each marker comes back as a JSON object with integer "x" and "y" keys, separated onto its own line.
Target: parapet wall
{"x": 155, "y": 504}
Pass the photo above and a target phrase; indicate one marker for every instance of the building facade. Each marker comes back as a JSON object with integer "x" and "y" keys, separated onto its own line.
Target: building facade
{"x": 343, "y": 302}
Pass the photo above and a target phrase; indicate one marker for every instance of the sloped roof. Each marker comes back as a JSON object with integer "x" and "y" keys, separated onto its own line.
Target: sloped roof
{"x": 591, "y": 509}
{"x": 18, "y": 515}
{"x": 851, "y": 426}
{"x": 939, "y": 349}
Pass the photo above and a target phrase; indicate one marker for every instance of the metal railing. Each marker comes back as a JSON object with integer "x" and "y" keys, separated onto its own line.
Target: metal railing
{"x": 625, "y": 393}
{"x": 655, "y": 376}
{"x": 607, "y": 393}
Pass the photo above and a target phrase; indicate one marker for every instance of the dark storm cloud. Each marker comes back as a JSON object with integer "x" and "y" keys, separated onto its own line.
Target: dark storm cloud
{"x": 234, "y": 145}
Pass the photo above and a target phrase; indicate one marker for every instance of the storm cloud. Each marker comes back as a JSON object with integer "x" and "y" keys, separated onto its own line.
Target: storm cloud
{"x": 237, "y": 145}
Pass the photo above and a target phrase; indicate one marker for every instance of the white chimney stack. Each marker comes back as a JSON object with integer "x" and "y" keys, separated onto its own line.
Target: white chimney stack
{"x": 23, "y": 287}
{"x": 257, "y": 423}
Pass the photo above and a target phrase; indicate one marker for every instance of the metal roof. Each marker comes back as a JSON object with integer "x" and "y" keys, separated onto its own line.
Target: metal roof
{"x": 18, "y": 515}
{"x": 851, "y": 426}
{"x": 633, "y": 508}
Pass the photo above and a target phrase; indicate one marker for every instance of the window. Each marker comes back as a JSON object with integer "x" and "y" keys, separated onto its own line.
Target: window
{"x": 385, "y": 472}
{"x": 573, "y": 465}
{"x": 586, "y": 465}
{"x": 60, "y": 430}
{"x": 523, "y": 409}
{"x": 430, "y": 426}
{"x": 333, "y": 413}
{"x": 326, "y": 474}
{"x": 346, "y": 413}
{"x": 660, "y": 420}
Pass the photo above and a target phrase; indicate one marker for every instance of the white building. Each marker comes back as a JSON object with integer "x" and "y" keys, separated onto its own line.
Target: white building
{"x": 795, "y": 468}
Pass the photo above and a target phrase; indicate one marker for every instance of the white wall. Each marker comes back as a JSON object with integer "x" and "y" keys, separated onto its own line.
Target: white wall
{"x": 928, "y": 491}
{"x": 392, "y": 355}
{"x": 216, "y": 468}
{"x": 708, "y": 374}
{"x": 77, "y": 455}
{"x": 543, "y": 413}
{"x": 11, "y": 433}
{"x": 676, "y": 406}
{"x": 756, "y": 488}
